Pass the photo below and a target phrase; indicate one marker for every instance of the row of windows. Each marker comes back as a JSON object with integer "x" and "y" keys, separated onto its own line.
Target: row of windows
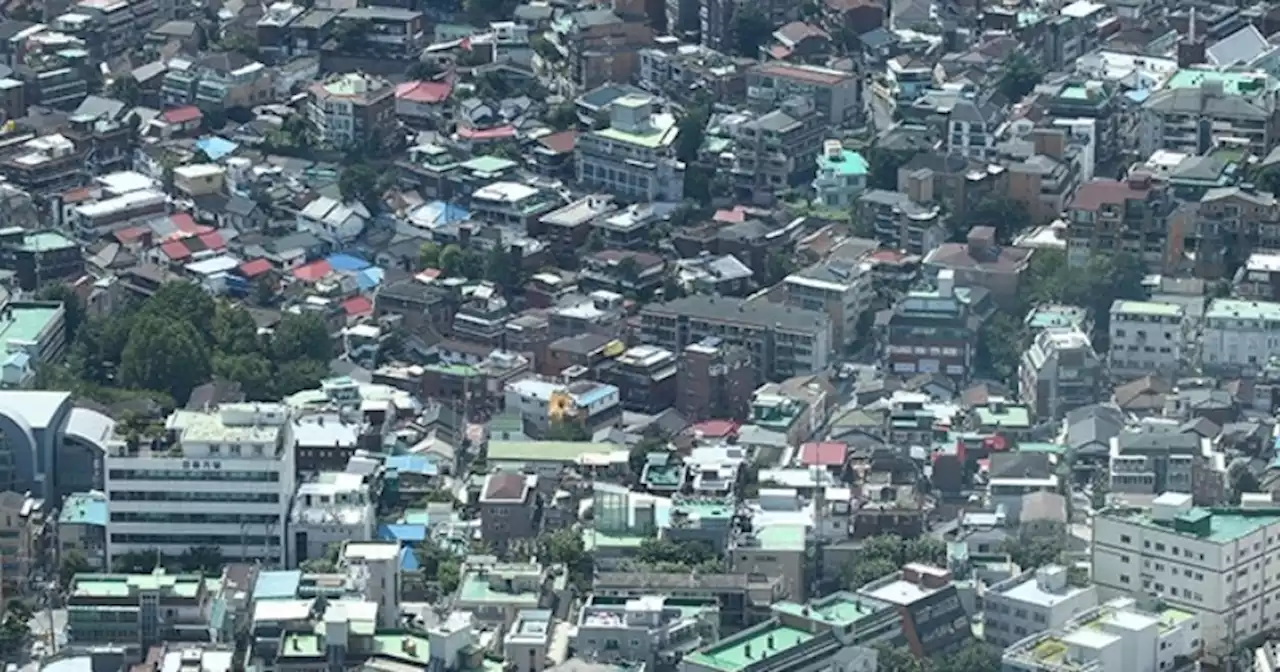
{"x": 200, "y": 518}
{"x": 246, "y": 497}
{"x": 232, "y": 540}
{"x": 193, "y": 475}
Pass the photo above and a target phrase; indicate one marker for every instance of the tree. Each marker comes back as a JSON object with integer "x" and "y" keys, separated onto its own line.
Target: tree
{"x": 567, "y": 431}
{"x": 497, "y": 267}
{"x": 421, "y": 70}
{"x": 240, "y": 41}
{"x": 1001, "y": 340}
{"x": 885, "y": 554}
{"x": 1242, "y": 480}
{"x": 326, "y": 564}
{"x": 253, "y": 372}
{"x": 234, "y": 331}
{"x": 1005, "y": 215}
{"x": 359, "y": 183}
{"x": 562, "y": 117}
{"x": 691, "y": 131}
{"x": 562, "y": 547}
{"x": 353, "y": 36}
{"x": 136, "y": 562}
{"x": 429, "y": 255}
{"x": 449, "y": 574}
{"x": 882, "y": 167}
{"x": 206, "y": 560}
{"x": 73, "y": 562}
{"x": 164, "y": 354}
{"x": 1021, "y": 75}
{"x": 301, "y": 336}
{"x": 750, "y": 29}
{"x": 293, "y": 377}
{"x": 14, "y": 632}
{"x": 184, "y": 302}
{"x": 264, "y": 292}
{"x": 1032, "y": 551}
{"x": 125, "y": 89}
{"x": 451, "y": 261}
{"x": 545, "y": 49}
{"x": 897, "y": 659}
{"x": 638, "y": 456}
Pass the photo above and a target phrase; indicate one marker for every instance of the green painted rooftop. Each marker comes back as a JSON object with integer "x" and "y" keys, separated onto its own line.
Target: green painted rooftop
{"x": 1147, "y": 308}
{"x": 124, "y": 585}
{"x": 838, "y": 609}
{"x": 730, "y": 654}
{"x": 45, "y": 241}
{"x": 1233, "y": 83}
{"x": 1225, "y": 524}
{"x": 1247, "y": 310}
{"x": 24, "y": 321}
{"x": 848, "y": 163}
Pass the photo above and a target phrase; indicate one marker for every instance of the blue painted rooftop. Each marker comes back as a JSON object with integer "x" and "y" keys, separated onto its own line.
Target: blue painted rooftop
{"x": 402, "y": 532}
{"x": 277, "y": 585}
{"x": 596, "y": 394}
{"x": 408, "y": 561}
{"x": 84, "y": 508}
{"x": 347, "y": 262}
{"x": 412, "y": 464}
{"x": 216, "y": 148}
{"x": 369, "y": 278}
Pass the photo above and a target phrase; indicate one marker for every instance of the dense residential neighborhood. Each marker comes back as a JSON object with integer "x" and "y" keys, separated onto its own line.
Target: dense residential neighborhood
{"x": 681, "y": 336}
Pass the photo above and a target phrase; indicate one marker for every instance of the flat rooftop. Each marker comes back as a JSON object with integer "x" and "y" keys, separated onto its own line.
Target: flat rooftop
{"x": 749, "y": 647}
{"x": 24, "y": 322}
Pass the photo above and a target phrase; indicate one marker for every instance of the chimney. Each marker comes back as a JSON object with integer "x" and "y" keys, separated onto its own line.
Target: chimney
{"x": 982, "y": 242}
{"x": 946, "y": 282}
{"x": 1191, "y": 47}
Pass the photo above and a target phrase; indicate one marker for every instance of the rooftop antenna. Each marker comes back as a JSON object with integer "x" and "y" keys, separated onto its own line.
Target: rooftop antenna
{"x": 1191, "y": 26}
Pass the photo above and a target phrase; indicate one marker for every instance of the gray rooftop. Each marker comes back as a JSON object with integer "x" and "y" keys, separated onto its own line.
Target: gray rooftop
{"x": 754, "y": 313}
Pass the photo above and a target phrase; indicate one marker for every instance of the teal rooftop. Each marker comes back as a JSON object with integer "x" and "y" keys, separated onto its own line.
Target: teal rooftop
{"x": 846, "y": 163}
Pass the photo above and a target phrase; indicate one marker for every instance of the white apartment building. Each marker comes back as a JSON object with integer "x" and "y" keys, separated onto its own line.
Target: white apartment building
{"x": 1240, "y": 335}
{"x": 1119, "y": 636}
{"x": 221, "y": 478}
{"x": 841, "y": 289}
{"x": 642, "y": 630}
{"x": 1059, "y": 372}
{"x": 335, "y": 508}
{"x": 1033, "y": 602}
{"x": 1217, "y": 563}
{"x": 94, "y": 220}
{"x": 1146, "y": 337}
{"x": 510, "y": 203}
{"x": 634, "y": 158}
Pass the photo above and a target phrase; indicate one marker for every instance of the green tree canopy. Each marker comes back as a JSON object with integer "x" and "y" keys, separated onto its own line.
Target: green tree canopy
{"x": 884, "y": 554}
{"x": 301, "y": 336}
{"x": 750, "y": 29}
{"x": 1021, "y": 75}
{"x": 164, "y": 354}
{"x": 359, "y": 183}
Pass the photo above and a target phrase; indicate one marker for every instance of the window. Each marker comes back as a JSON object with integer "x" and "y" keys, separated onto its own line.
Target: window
{"x": 1124, "y": 538}
{"x": 1124, "y": 578}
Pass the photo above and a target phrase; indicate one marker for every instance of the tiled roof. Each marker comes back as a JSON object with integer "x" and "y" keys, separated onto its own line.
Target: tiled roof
{"x": 823, "y": 454}
{"x": 313, "y": 272}
{"x": 181, "y": 115}
{"x": 252, "y": 269}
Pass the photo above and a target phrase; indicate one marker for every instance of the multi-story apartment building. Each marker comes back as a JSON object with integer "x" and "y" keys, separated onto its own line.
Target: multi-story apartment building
{"x": 113, "y": 26}
{"x": 47, "y": 164}
{"x": 715, "y": 380}
{"x": 1198, "y": 108}
{"x": 783, "y": 341}
{"x": 543, "y": 404}
{"x": 1108, "y": 216}
{"x": 1239, "y": 336}
{"x": 971, "y": 128}
{"x": 216, "y": 82}
{"x": 1147, "y": 337}
{"x": 900, "y": 222}
{"x": 1156, "y": 456}
{"x": 1118, "y": 636}
{"x": 670, "y": 72}
{"x": 601, "y": 46}
{"x": 509, "y": 509}
{"x": 930, "y": 332}
{"x": 836, "y": 94}
{"x": 1230, "y": 223}
{"x": 1090, "y": 99}
{"x": 646, "y": 377}
{"x": 137, "y": 610}
{"x": 646, "y": 629}
{"x": 511, "y": 204}
{"x": 1032, "y": 602}
{"x": 390, "y": 32}
{"x": 634, "y": 158}
{"x": 1207, "y": 561}
{"x": 39, "y": 257}
{"x": 333, "y": 508}
{"x": 775, "y": 151}
{"x": 838, "y": 288}
{"x": 93, "y": 220}
{"x": 841, "y": 176}
{"x": 1059, "y": 372}
{"x": 351, "y": 109}
{"x": 222, "y": 478}
{"x": 1042, "y": 184}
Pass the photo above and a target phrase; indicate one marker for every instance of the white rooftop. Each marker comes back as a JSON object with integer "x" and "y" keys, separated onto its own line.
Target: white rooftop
{"x": 508, "y": 192}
